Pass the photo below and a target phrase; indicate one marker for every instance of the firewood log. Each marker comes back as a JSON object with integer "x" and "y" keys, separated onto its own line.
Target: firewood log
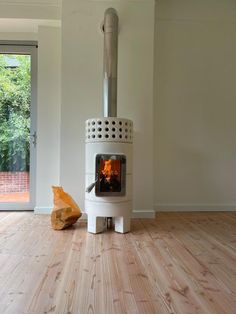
{"x": 65, "y": 211}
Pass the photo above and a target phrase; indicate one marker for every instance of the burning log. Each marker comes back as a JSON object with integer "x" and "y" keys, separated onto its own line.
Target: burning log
{"x": 65, "y": 211}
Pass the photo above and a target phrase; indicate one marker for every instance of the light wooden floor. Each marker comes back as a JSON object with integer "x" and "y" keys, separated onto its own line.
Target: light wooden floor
{"x": 178, "y": 263}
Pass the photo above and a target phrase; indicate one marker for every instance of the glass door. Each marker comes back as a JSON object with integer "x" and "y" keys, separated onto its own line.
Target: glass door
{"x": 17, "y": 125}
{"x": 110, "y": 175}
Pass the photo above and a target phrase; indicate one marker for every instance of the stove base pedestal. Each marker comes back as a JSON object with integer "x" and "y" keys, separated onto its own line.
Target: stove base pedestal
{"x": 122, "y": 224}
{"x": 95, "y": 224}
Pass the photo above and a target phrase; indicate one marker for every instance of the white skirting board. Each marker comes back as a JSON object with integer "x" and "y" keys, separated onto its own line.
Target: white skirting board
{"x": 144, "y": 214}
{"x": 162, "y": 208}
{"x": 135, "y": 214}
{"x": 194, "y": 207}
{"x": 42, "y": 210}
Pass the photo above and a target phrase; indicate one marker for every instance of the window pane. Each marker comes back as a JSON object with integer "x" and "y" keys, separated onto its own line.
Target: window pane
{"x": 15, "y": 98}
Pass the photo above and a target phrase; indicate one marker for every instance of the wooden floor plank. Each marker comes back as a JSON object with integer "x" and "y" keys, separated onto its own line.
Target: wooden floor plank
{"x": 176, "y": 288}
{"x": 176, "y": 236}
{"x": 218, "y": 254}
{"x": 176, "y": 263}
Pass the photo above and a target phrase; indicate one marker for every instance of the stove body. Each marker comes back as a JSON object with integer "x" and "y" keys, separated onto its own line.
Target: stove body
{"x": 109, "y": 164}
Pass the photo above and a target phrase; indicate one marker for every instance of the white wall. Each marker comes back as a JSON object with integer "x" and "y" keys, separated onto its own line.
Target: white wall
{"x": 194, "y": 106}
{"x": 30, "y": 9}
{"x": 18, "y": 36}
{"x": 82, "y": 63}
{"x": 195, "y": 94}
{"x": 48, "y": 115}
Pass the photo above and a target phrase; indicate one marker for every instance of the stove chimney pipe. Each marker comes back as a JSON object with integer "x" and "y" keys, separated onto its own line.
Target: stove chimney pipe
{"x": 110, "y": 62}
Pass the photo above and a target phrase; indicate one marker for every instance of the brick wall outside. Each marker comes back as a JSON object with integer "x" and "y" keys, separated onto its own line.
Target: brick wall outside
{"x": 11, "y": 182}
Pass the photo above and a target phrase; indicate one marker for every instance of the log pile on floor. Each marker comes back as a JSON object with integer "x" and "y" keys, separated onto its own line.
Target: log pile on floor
{"x": 65, "y": 211}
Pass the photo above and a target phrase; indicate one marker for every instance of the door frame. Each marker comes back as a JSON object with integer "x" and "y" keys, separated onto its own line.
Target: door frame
{"x": 29, "y": 48}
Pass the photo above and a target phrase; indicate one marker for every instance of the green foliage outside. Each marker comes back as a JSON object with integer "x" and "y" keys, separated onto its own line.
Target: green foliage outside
{"x": 14, "y": 112}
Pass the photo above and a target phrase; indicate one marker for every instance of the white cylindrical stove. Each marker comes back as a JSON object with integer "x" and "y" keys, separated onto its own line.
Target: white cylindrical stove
{"x": 108, "y": 172}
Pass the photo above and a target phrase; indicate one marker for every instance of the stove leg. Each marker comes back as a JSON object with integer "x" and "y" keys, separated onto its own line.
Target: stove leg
{"x": 95, "y": 224}
{"x": 122, "y": 224}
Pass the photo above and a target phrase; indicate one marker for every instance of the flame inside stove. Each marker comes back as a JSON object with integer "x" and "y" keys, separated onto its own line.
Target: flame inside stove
{"x": 107, "y": 169}
{"x": 110, "y": 173}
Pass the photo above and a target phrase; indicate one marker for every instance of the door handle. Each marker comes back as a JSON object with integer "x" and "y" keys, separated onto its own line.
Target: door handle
{"x": 34, "y": 138}
{"x": 92, "y": 185}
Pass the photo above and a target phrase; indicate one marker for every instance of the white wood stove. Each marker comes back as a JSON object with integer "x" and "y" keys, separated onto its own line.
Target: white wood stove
{"x": 109, "y": 139}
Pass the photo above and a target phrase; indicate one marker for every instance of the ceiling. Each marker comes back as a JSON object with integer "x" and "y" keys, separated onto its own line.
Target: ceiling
{"x": 32, "y": 2}
{"x": 24, "y": 16}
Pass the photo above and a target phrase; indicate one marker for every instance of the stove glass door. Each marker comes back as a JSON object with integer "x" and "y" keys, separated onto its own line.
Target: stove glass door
{"x": 110, "y": 175}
